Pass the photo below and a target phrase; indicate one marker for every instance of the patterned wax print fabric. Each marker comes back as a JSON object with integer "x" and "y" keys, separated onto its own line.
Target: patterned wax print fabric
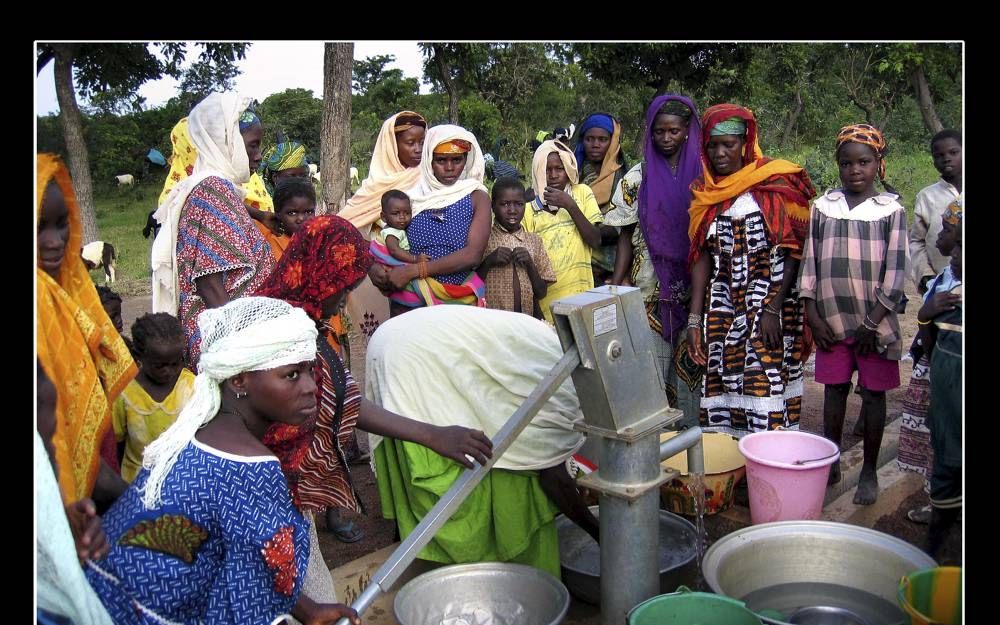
{"x": 226, "y": 546}
{"x": 216, "y": 236}
{"x": 748, "y": 387}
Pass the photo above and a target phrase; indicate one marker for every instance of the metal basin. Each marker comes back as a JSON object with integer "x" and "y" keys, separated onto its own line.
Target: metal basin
{"x": 580, "y": 556}
{"x": 494, "y": 593}
{"x": 804, "y": 568}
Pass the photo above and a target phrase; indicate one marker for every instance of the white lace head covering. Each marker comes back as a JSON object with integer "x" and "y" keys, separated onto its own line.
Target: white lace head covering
{"x": 214, "y": 127}
{"x": 247, "y": 334}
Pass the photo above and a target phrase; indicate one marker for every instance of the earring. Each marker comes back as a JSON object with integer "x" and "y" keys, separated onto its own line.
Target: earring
{"x": 240, "y": 395}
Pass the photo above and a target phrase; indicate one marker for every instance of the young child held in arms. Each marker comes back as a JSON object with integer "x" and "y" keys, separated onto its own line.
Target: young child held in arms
{"x": 853, "y": 271}
{"x": 152, "y": 401}
{"x": 940, "y": 325}
{"x": 515, "y": 265}
{"x": 397, "y": 215}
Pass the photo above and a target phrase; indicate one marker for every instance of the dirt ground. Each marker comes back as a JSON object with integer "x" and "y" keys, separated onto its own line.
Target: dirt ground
{"x": 379, "y": 532}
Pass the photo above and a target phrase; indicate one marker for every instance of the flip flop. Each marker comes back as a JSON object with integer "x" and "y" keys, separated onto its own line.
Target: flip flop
{"x": 347, "y": 532}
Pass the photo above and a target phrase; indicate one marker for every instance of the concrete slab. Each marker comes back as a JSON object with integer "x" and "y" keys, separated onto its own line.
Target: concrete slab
{"x": 352, "y": 578}
{"x": 852, "y": 459}
{"x": 895, "y": 486}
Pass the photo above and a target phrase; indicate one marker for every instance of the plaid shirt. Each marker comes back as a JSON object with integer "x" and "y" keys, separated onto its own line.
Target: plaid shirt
{"x": 500, "y": 280}
{"x": 854, "y": 259}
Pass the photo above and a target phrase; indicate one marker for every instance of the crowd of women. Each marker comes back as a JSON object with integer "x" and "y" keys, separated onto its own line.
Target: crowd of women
{"x": 225, "y": 471}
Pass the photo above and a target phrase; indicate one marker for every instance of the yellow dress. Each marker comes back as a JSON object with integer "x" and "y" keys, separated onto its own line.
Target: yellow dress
{"x": 569, "y": 255}
{"x": 139, "y": 420}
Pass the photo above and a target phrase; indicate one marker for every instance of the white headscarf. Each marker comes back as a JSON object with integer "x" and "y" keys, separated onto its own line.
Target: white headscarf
{"x": 540, "y": 160}
{"x": 429, "y": 192}
{"x": 214, "y": 127}
{"x": 247, "y": 334}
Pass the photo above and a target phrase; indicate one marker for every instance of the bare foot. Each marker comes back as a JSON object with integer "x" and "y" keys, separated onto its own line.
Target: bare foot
{"x": 834, "y": 473}
{"x": 867, "y": 491}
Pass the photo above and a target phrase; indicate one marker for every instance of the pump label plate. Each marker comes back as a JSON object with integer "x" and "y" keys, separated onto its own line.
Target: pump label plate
{"x": 605, "y": 319}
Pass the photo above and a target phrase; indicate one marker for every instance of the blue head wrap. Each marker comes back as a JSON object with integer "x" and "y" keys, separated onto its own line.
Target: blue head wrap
{"x": 248, "y": 119}
{"x": 596, "y": 120}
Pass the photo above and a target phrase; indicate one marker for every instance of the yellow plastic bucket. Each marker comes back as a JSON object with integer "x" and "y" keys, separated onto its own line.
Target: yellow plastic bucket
{"x": 932, "y": 596}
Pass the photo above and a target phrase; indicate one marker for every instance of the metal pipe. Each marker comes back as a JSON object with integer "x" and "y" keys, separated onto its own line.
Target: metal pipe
{"x": 422, "y": 534}
{"x": 629, "y": 530}
{"x": 688, "y": 439}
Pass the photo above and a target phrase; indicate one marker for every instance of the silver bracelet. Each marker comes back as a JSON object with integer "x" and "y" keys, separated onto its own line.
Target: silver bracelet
{"x": 694, "y": 321}
{"x": 873, "y": 327}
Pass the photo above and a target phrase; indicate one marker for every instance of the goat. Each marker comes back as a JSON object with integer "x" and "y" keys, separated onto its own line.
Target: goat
{"x": 152, "y": 226}
{"x": 124, "y": 180}
{"x": 100, "y": 254}
{"x": 354, "y": 175}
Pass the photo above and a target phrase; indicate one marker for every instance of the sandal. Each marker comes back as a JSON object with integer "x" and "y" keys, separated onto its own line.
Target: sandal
{"x": 920, "y": 515}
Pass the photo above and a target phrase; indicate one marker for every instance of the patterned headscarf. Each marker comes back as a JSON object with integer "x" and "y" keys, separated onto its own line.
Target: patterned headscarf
{"x": 732, "y": 126}
{"x": 325, "y": 257}
{"x": 79, "y": 348}
{"x": 455, "y": 146}
{"x": 722, "y": 114}
{"x": 953, "y": 214}
{"x": 287, "y": 155}
{"x": 248, "y": 119}
{"x": 865, "y": 134}
{"x": 406, "y": 120}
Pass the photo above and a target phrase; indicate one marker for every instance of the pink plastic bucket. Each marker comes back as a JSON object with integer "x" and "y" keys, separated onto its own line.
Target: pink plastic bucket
{"x": 780, "y": 489}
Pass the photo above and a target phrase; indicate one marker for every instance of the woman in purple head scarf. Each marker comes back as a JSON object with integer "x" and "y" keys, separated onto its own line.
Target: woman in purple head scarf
{"x": 656, "y": 195}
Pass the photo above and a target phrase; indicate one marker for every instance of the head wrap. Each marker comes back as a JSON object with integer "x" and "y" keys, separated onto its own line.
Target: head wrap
{"x": 781, "y": 188}
{"x": 540, "y": 160}
{"x": 286, "y": 155}
{"x": 603, "y": 184}
{"x": 731, "y": 126}
{"x": 953, "y": 214}
{"x": 664, "y": 197}
{"x": 78, "y": 347}
{"x": 248, "y": 119}
{"x": 429, "y": 192}
{"x": 213, "y": 127}
{"x": 865, "y": 134}
{"x": 675, "y": 108}
{"x": 386, "y": 172}
{"x": 247, "y": 334}
{"x": 324, "y": 258}
{"x": 455, "y": 146}
{"x": 406, "y": 120}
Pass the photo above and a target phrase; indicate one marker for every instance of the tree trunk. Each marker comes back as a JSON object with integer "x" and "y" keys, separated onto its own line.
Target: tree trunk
{"x": 76, "y": 147}
{"x": 925, "y": 101}
{"x": 338, "y": 63}
{"x": 449, "y": 83}
{"x": 793, "y": 119}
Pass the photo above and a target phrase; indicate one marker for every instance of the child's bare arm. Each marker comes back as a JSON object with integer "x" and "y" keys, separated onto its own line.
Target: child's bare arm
{"x": 623, "y": 256}
{"x": 392, "y": 244}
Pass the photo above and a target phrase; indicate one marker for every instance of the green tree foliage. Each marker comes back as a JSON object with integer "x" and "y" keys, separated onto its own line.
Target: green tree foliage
{"x": 295, "y": 112}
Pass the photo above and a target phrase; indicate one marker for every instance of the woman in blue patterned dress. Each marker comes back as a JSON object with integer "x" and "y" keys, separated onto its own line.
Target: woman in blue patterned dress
{"x": 207, "y": 532}
{"x": 451, "y": 224}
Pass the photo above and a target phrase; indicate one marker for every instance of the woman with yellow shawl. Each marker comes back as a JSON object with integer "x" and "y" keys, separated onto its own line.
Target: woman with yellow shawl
{"x": 602, "y": 165}
{"x": 395, "y": 165}
{"x": 749, "y": 216}
{"x": 182, "y": 158}
{"x": 77, "y": 343}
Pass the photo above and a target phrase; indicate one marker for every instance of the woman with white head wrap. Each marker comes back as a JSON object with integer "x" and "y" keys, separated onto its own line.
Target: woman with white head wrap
{"x": 208, "y": 251}
{"x": 451, "y": 224}
{"x": 207, "y": 532}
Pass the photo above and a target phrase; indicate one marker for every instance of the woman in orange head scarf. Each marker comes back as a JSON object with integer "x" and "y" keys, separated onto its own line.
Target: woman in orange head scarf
{"x": 748, "y": 223}
{"x": 77, "y": 344}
